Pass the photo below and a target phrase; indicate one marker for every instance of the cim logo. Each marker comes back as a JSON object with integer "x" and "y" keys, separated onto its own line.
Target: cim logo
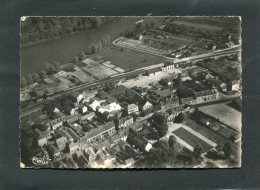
{"x": 41, "y": 161}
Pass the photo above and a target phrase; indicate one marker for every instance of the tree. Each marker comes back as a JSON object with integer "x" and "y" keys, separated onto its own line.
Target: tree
{"x": 43, "y": 74}
{"x": 35, "y": 77}
{"x": 197, "y": 151}
{"x": 172, "y": 141}
{"x": 57, "y": 65}
{"x": 158, "y": 118}
{"x": 23, "y": 82}
{"x": 93, "y": 48}
{"x": 53, "y": 68}
{"x": 99, "y": 46}
{"x": 179, "y": 118}
{"x": 82, "y": 55}
{"x": 162, "y": 129}
{"x": 227, "y": 149}
{"x": 76, "y": 59}
{"x": 160, "y": 124}
{"x": 29, "y": 79}
{"x": 47, "y": 67}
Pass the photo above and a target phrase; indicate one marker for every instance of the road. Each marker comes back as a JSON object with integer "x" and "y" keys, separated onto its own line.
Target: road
{"x": 37, "y": 106}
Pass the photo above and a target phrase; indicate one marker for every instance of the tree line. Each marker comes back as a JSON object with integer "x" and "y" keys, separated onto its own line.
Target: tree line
{"x": 55, "y": 66}
{"x": 41, "y": 28}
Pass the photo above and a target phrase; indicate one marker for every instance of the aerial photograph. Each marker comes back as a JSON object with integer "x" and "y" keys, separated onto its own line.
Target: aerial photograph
{"x": 109, "y": 92}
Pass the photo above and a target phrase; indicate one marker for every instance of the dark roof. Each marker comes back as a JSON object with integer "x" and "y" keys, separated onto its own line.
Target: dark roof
{"x": 164, "y": 93}
{"x": 96, "y": 131}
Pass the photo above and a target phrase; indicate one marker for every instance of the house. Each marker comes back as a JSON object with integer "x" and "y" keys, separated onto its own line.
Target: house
{"x": 55, "y": 123}
{"x": 216, "y": 83}
{"x": 73, "y": 111}
{"x": 116, "y": 138}
{"x": 206, "y": 95}
{"x": 90, "y": 154}
{"x": 138, "y": 127}
{"x": 95, "y": 104}
{"x": 168, "y": 81}
{"x": 42, "y": 136}
{"x": 139, "y": 142}
{"x": 61, "y": 143}
{"x": 110, "y": 108}
{"x": 147, "y": 106}
{"x": 106, "y": 96}
{"x": 188, "y": 101}
{"x": 168, "y": 66}
{"x": 82, "y": 109}
{"x": 77, "y": 96}
{"x": 169, "y": 104}
{"x": 89, "y": 116}
{"x": 98, "y": 134}
{"x": 125, "y": 122}
{"x": 73, "y": 147}
{"x": 233, "y": 85}
{"x": 53, "y": 150}
{"x": 128, "y": 95}
{"x": 132, "y": 108}
{"x": 152, "y": 71}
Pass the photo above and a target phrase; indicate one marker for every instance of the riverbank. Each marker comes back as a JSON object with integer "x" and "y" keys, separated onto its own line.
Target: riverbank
{"x": 64, "y": 48}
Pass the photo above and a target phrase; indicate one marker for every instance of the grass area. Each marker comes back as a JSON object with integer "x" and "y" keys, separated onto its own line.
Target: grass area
{"x": 212, "y": 135}
{"x": 201, "y": 26}
{"x": 225, "y": 114}
{"x": 191, "y": 139}
{"x": 128, "y": 59}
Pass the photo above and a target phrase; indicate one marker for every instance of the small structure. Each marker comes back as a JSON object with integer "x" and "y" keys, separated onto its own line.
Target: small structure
{"x": 61, "y": 143}
{"x": 132, "y": 108}
{"x": 168, "y": 66}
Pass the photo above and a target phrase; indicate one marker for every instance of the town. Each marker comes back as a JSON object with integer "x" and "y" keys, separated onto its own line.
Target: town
{"x": 165, "y": 93}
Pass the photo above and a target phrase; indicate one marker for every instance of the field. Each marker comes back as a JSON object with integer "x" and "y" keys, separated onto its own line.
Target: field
{"x": 168, "y": 40}
{"x": 128, "y": 59}
{"x": 220, "y": 140}
{"x": 191, "y": 139}
{"x": 200, "y": 26}
{"x": 225, "y": 114}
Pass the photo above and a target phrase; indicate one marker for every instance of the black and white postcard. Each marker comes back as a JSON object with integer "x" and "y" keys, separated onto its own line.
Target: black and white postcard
{"x": 130, "y": 92}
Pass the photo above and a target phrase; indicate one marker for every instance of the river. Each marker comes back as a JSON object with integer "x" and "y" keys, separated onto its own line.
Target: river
{"x": 63, "y": 49}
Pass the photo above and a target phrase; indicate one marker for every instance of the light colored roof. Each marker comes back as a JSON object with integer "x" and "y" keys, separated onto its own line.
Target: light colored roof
{"x": 132, "y": 106}
{"x": 88, "y": 61}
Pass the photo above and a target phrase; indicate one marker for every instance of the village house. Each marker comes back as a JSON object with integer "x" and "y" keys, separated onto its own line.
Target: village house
{"x": 110, "y": 108}
{"x": 216, "y": 83}
{"x": 98, "y": 134}
{"x": 121, "y": 93}
{"x": 170, "y": 103}
{"x": 233, "y": 85}
{"x": 168, "y": 66}
{"x": 206, "y": 95}
{"x": 171, "y": 114}
{"x": 90, "y": 154}
{"x": 73, "y": 147}
{"x": 188, "y": 100}
{"x": 168, "y": 81}
{"x": 82, "y": 109}
{"x": 132, "y": 108}
{"x": 139, "y": 141}
{"x": 106, "y": 96}
{"x": 53, "y": 150}
{"x": 153, "y": 71}
{"x": 89, "y": 116}
{"x": 125, "y": 122}
{"x": 42, "y": 136}
{"x": 147, "y": 107}
{"x": 61, "y": 143}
